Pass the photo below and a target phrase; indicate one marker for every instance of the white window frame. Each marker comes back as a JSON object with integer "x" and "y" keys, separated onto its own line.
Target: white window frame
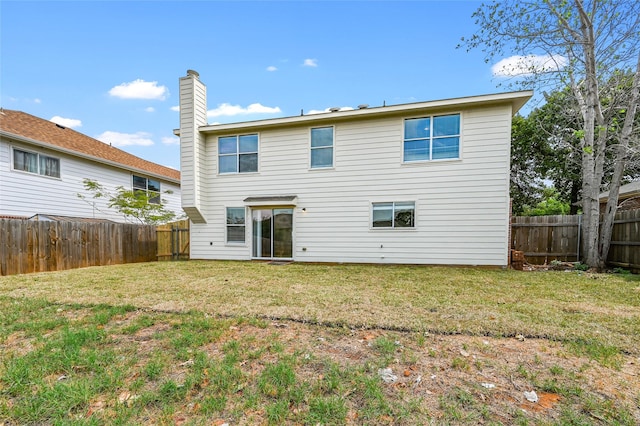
{"x": 393, "y": 227}
{"x": 431, "y": 138}
{"x": 227, "y": 225}
{"x": 332, "y": 147}
{"x": 39, "y": 157}
{"x": 156, "y": 199}
{"x": 238, "y": 153}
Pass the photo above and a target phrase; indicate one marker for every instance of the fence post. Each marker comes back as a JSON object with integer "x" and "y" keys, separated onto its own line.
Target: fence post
{"x": 579, "y": 237}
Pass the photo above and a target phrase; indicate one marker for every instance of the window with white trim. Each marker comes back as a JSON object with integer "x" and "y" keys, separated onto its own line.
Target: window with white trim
{"x": 238, "y": 154}
{"x": 236, "y": 228}
{"x": 431, "y": 138}
{"x": 32, "y": 162}
{"x": 321, "y": 147}
{"x": 394, "y": 215}
{"x": 149, "y": 186}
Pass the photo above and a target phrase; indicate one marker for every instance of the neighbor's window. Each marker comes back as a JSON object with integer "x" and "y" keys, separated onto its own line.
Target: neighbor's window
{"x": 432, "y": 138}
{"x": 150, "y": 186}
{"x": 321, "y": 147}
{"x": 39, "y": 164}
{"x": 236, "y": 225}
{"x": 238, "y": 154}
{"x": 394, "y": 215}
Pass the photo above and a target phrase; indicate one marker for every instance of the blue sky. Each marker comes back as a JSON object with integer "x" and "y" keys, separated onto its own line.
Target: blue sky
{"x": 110, "y": 69}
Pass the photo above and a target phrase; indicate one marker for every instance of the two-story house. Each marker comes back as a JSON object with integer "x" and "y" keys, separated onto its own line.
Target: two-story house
{"x": 419, "y": 183}
{"x": 43, "y": 165}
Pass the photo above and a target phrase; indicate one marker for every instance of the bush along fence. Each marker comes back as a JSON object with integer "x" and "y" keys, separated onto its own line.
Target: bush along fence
{"x": 40, "y": 246}
{"x": 543, "y": 239}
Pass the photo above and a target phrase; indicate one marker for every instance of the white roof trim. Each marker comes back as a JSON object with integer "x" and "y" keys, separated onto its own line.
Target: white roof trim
{"x": 517, "y": 99}
{"x": 52, "y": 147}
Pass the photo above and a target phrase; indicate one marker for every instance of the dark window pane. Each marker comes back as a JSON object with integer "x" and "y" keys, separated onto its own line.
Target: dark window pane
{"x": 25, "y": 161}
{"x": 249, "y": 143}
{"x": 235, "y": 234}
{"x": 404, "y": 215}
{"x": 49, "y": 166}
{"x": 235, "y": 215}
{"x": 248, "y": 163}
{"x": 282, "y": 232}
{"x": 154, "y": 197}
{"x": 153, "y": 185}
{"x": 382, "y": 215}
{"x": 139, "y": 182}
{"x": 228, "y": 145}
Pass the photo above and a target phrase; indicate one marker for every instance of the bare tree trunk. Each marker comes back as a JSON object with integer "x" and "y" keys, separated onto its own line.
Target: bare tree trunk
{"x": 622, "y": 151}
{"x": 593, "y": 145}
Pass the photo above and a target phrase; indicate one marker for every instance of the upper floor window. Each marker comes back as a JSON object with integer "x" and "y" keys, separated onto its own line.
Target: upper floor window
{"x": 321, "y": 147}
{"x": 432, "y": 138}
{"x": 238, "y": 154}
{"x": 150, "y": 186}
{"x": 394, "y": 215}
{"x": 32, "y": 162}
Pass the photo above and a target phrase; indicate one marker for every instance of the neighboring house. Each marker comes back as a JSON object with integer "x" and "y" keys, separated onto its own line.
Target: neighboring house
{"x": 420, "y": 183}
{"x": 43, "y": 164}
{"x": 628, "y": 199}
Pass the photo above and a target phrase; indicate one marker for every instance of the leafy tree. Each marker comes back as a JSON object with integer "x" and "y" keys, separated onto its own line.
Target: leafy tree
{"x": 133, "y": 204}
{"x": 583, "y": 43}
{"x": 551, "y": 204}
{"x": 545, "y": 147}
{"x": 528, "y": 156}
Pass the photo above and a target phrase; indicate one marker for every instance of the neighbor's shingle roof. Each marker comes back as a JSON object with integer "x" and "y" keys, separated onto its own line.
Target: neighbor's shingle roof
{"x": 37, "y": 129}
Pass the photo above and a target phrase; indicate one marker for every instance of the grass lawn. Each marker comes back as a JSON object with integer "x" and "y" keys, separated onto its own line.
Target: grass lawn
{"x": 253, "y": 343}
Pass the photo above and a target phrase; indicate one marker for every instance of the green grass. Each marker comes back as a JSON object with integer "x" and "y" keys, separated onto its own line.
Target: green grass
{"x": 71, "y": 352}
{"x": 555, "y": 305}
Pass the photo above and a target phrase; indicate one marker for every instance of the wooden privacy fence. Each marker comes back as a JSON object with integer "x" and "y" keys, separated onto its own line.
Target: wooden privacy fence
{"x": 173, "y": 241}
{"x": 625, "y": 240}
{"x": 547, "y": 238}
{"x": 39, "y": 246}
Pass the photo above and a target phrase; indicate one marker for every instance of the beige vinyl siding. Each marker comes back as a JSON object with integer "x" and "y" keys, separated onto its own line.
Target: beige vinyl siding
{"x": 192, "y": 149}
{"x": 27, "y": 194}
{"x": 461, "y": 205}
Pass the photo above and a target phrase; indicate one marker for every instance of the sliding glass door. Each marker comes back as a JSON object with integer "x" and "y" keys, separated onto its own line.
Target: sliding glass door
{"x": 272, "y": 233}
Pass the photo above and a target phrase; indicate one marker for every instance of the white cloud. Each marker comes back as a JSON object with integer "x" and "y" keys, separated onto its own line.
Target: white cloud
{"x": 310, "y": 63}
{"x": 125, "y": 139}
{"x": 150, "y": 109}
{"x": 231, "y": 110}
{"x": 171, "y": 140}
{"x": 140, "y": 89}
{"x": 175, "y": 108}
{"x": 37, "y": 101}
{"x": 272, "y": 68}
{"x": 528, "y": 65}
{"x": 66, "y": 122}
{"x": 318, "y": 111}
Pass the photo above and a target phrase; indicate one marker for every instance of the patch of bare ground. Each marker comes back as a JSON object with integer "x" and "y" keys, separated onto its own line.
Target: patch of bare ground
{"x": 495, "y": 372}
{"x": 437, "y": 374}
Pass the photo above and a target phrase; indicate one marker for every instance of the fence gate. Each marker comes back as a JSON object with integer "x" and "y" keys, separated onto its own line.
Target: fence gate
{"x": 173, "y": 241}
